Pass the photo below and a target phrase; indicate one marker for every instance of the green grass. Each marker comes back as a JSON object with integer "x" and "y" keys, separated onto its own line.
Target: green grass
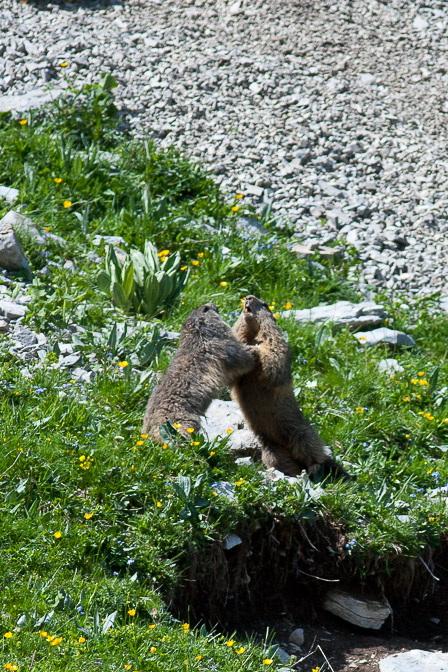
{"x": 96, "y": 521}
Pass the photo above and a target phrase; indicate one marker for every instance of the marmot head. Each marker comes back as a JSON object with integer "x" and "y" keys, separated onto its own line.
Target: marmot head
{"x": 255, "y": 313}
{"x": 206, "y": 321}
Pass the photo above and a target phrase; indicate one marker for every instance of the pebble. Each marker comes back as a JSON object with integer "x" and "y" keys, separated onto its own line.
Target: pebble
{"x": 340, "y": 144}
{"x": 297, "y": 637}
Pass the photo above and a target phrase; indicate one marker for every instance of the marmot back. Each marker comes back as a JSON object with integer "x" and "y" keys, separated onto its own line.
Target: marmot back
{"x": 208, "y": 358}
{"x": 266, "y": 397}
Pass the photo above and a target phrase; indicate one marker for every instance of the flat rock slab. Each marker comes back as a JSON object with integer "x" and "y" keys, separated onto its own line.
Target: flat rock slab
{"x": 366, "y": 314}
{"x": 28, "y": 101}
{"x": 357, "y": 610}
{"x": 9, "y": 193}
{"x": 22, "y": 224}
{"x": 224, "y": 415}
{"x": 415, "y": 661}
{"x": 11, "y": 253}
{"x": 384, "y": 335}
{"x": 390, "y": 366}
{"x": 11, "y": 310}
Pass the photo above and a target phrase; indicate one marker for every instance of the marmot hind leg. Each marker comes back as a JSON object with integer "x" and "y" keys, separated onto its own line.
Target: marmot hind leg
{"x": 281, "y": 459}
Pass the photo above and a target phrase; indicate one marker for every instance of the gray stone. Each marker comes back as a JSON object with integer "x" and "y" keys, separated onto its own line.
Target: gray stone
{"x": 11, "y": 310}
{"x": 224, "y": 415}
{"x": 24, "y": 336}
{"x": 390, "y": 366}
{"x": 12, "y": 257}
{"x": 444, "y": 304}
{"x": 9, "y": 193}
{"x": 415, "y": 661}
{"x": 366, "y": 314}
{"x": 359, "y": 611}
{"x": 384, "y": 335}
{"x": 27, "y": 101}
{"x": 84, "y": 375}
{"x": 420, "y": 23}
{"x": 108, "y": 240}
{"x": 230, "y": 541}
{"x": 282, "y": 655}
{"x": 70, "y": 360}
{"x": 225, "y": 489}
{"x": 4, "y": 327}
{"x": 302, "y": 250}
{"x": 66, "y": 348}
{"x": 297, "y": 637}
{"x": 244, "y": 461}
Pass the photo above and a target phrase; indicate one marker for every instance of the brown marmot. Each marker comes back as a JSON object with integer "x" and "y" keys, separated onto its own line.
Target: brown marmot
{"x": 266, "y": 398}
{"x": 208, "y": 358}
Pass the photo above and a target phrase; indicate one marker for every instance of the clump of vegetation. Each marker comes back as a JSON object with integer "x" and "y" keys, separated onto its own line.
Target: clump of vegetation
{"x": 99, "y": 524}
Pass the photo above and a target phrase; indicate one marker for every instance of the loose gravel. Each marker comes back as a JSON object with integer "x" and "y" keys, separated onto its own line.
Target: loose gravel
{"x": 335, "y": 111}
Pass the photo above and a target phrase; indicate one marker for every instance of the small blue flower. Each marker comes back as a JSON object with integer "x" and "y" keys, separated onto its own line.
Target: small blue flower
{"x": 412, "y": 495}
{"x": 365, "y": 444}
{"x": 131, "y": 561}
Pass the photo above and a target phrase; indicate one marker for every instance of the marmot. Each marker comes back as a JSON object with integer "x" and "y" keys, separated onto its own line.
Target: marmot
{"x": 266, "y": 398}
{"x": 208, "y": 358}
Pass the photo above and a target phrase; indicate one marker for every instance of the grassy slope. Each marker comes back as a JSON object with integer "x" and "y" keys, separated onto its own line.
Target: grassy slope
{"x": 126, "y": 531}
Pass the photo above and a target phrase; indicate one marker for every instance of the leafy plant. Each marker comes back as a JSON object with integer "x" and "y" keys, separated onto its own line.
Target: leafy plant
{"x": 139, "y": 282}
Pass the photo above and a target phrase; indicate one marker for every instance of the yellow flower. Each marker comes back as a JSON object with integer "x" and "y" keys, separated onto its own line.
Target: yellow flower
{"x": 42, "y": 633}
{"x": 153, "y": 649}
{"x": 240, "y": 650}
{"x": 152, "y": 626}
{"x": 362, "y": 338}
{"x": 23, "y": 122}
{"x": 159, "y": 505}
{"x": 406, "y": 436}
{"x": 316, "y": 669}
{"x": 67, "y": 204}
{"x": 177, "y": 425}
{"x": 276, "y": 315}
{"x": 81, "y": 640}
{"x": 58, "y": 180}
{"x": 239, "y": 196}
{"x": 360, "y": 410}
{"x": 8, "y": 635}
{"x": 195, "y": 443}
{"x": 131, "y": 612}
{"x": 123, "y": 365}
{"x": 183, "y": 268}
{"x": 288, "y": 305}
{"x": 127, "y": 667}
{"x": 200, "y": 255}
{"x": 405, "y": 398}
{"x": 229, "y": 431}
{"x": 190, "y": 430}
{"x": 88, "y": 516}
{"x": 50, "y": 637}
{"x": 268, "y": 661}
{"x": 139, "y": 443}
{"x": 164, "y": 446}
{"x": 64, "y": 64}
{"x": 164, "y": 253}
{"x": 199, "y": 657}
{"x": 421, "y": 373}
{"x": 414, "y": 381}
{"x": 231, "y": 642}
{"x": 186, "y": 627}
{"x": 238, "y": 482}
{"x": 144, "y": 436}
{"x": 57, "y": 535}
{"x": 236, "y": 208}
{"x": 56, "y": 641}
{"x": 223, "y": 284}
{"x": 271, "y": 307}
{"x": 423, "y": 382}
{"x": 212, "y": 452}
{"x": 162, "y": 259}
{"x": 195, "y": 263}
{"x": 431, "y": 519}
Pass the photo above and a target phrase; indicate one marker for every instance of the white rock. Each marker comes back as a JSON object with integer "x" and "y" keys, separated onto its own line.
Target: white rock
{"x": 390, "y": 366}
{"x": 32, "y": 99}
{"x": 384, "y": 335}
{"x": 22, "y": 224}
{"x": 420, "y": 23}
{"x": 11, "y": 310}
{"x": 231, "y": 540}
{"x": 415, "y": 661}
{"x": 444, "y": 304}
{"x": 108, "y": 240}
{"x": 224, "y": 488}
{"x": 342, "y": 314}
{"x": 12, "y": 257}
{"x": 297, "y": 637}
{"x": 224, "y": 415}
{"x": 9, "y": 193}
{"x": 356, "y": 610}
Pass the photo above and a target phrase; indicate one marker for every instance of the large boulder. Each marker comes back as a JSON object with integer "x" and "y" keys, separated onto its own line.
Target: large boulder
{"x": 12, "y": 257}
{"x": 415, "y": 661}
{"x": 366, "y": 314}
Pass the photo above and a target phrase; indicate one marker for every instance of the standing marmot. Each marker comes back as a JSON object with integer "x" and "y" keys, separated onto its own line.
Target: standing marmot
{"x": 208, "y": 358}
{"x": 266, "y": 397}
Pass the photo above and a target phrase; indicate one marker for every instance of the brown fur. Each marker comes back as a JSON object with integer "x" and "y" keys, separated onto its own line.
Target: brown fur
{"x": 208, "y": 358}
{"x": 266, "y": 397}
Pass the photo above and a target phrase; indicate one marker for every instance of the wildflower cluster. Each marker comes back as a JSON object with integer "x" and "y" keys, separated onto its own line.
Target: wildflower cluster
{"x": 85, "y": 462}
